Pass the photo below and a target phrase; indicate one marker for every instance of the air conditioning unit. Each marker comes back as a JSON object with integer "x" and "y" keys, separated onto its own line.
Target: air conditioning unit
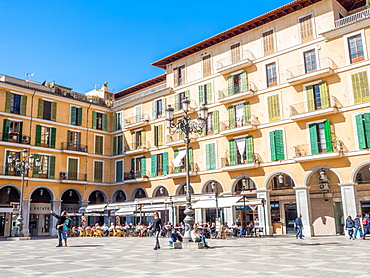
{"x": 83, "y": 150}
{"x": 25, "y": 139}
{"x": 324, "y": 187}
{"x": 63, "y": 175}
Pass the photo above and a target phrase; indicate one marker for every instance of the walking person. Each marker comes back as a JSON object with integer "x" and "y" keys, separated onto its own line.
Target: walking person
{"x": 299, "y": 225}
{"x": 366, "y": 224}
{"x": 156, "y": 228}
{"x": 358, "y": 227}
{"x": 350, "y": 224}
{"x": 60, "y": 224}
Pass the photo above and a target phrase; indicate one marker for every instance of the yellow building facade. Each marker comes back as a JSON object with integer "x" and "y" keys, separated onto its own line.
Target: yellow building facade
{"x": 288, "y": 130}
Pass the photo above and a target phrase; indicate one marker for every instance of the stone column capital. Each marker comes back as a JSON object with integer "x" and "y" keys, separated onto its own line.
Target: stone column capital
{"x": 56, "y": 201}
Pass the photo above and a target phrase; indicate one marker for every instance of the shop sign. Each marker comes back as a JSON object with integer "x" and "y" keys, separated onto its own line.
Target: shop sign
{"x": 275, "y": 205}
{"x": 70, "y": 208}
{"x": 40, "y": 208}
{"x": 242, "y": 207}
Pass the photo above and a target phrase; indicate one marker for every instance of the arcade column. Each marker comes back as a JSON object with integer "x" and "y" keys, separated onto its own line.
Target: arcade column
{"x": 302, "y": 194}
{"x": 56, "y": 207}
{"x": 348, "y": 192}
{"x": 264, "y": 211}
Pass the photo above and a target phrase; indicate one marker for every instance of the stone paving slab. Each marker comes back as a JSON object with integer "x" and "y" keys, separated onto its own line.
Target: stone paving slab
{"x": 278, "y": 256}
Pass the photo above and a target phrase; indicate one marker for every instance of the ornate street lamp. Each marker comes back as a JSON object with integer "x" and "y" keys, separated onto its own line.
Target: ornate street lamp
{"x": 186, "y": 126}
{"x": 22, "y": 166}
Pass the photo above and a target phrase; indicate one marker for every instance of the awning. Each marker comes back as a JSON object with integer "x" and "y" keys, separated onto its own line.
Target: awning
{"x": 6, "y": 209}
{"x": 93, "y": 208}
{"x": 126, "y": 211}
{"x": 155, "y": 207}
{"x": 82, "y": 209}
{"x": 222, "y": 202}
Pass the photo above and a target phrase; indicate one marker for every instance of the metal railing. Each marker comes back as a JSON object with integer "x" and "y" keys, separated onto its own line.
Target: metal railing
{"x": 74, "y": 147}
{"x": 302, "y": 107}
{"x": 9, "y": 171}
{"x": 72, "y": 176}
{"x": 227, "y": 125}
{"x": 15, "y": 138}
{"x": 136, "y": 119}
{"x": 137, "y": 146}
{"x": 236, "y": 90}
{"x": 225, "y": 161}
{"x": 316, "y": 66}
{"x": 306, "y": 149}
{"x": 182, "y": 168}
{"x": 352, "y": 18}
{"x": 228, "y": 61}
{"x": 132, "y": 175}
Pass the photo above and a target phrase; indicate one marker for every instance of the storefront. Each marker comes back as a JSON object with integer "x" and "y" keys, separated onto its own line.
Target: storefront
{"x": 39, "y": 219}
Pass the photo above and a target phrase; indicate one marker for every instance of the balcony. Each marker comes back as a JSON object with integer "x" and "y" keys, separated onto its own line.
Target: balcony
{"x": 180, "y": 172}
{"x": 229, "y": 64}
{"x": 135, "y": 176}
{"x": 352, "y": 18}
{"x": 9, "y": 171}
{"x": 136, "y": 121}
{"x": 236, "y": 94}
{"x": 137, "y": 147}
{"x": 176, "y": 140}
{"x": 298, "y": 112}
{"x": 303, "y": 153}
{"x": 74, "y": 147}
{"x": 241, "y": 165}
{"x": 299, "y": 74}
{"x": 180, "y": 112}
{"x": 15, "y": 137}
{"x": 238, "y": 126}
{"x": 72, "y": 176}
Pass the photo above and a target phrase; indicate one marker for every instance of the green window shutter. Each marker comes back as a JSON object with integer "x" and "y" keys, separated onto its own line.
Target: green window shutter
{"x": 53, "y": 137}
{"x": 35, "y": 172}
{"x": 232, "y": 152}
{"x": 154, "y": 110}
{"x": 115, "y": 145}
{"x": 94, "y": 116}
{"x": 190, "y": 155}
{"x": 249, "y": 148}
{"x": 314, "y": 139}
{"x": 115, "y": 121}
{"x": 328, "y": 141}
{"x": 52, "y": 167}
{"x": 230, "y": 85}
{"x": 208, "y": 157}
{"x": 20, "y": 132}
{"x": 213, "y": 156}
{"x": 79, "y": 120}
{"x": 8, "y": 101}
{"x": 165, "y": 163}
{"x": 175, "y": 153}
{"x": 230, "y": 111}
{"x": 164, "y": 106}
{"x": 273, "y": 146}
{"x": 247, "y": 112}
{"x": 187, "y": 94}
{"x": 119, "y": 168}
{"x": 143, "y": 166}
{"x": 41, "y": 108}
{"x": 24, "y": 105}
{"x": 243, "y": 78}
{"x": 54, "y": 111}
{"x": 177, "y": 106}
{"x": 105, "y": 122}
{"x": 201, "y": 95}
{"x": 279, "y": 143}
{"x": 6, "y": 124}
{"x": 120, "y": 138}
{"x": 38, "y": 135}
{"x": 310, "y": 99}
{"x": 367, "y": 128}
{"x": 216, "y": 121}
{"x": 6, "y": 163}
{"x": 209, "y": 93}
{"x": 68, "y": 137}
{"x": 154, "y": 165}
{"x": 324, "y": 94}
{"x": 72, "y": 168}
{"x": 73, "y": 115}
{"x": 132, "y": 164}
{"x": 360, "y": 132}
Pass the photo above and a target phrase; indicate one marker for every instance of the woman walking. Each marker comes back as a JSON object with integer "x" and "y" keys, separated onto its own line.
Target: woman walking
{"x": 350, "y": 224}
{"x": 156, "y": 228}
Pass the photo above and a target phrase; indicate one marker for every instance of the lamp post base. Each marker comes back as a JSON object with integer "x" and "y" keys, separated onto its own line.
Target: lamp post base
{"x": 189, "y": 223}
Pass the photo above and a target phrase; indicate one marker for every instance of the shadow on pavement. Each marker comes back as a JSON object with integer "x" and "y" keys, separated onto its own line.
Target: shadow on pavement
{"x": 91, "y": 245}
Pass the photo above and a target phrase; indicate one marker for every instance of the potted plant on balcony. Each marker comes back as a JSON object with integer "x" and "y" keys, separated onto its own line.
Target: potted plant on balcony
{"x": 13, "y": 135}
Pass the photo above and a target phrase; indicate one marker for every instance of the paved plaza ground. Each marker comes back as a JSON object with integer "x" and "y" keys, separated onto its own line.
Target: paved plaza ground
{"x": 278, "y": 256}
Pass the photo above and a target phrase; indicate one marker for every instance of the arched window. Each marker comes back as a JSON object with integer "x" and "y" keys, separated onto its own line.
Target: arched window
{"x": 140, "y": 193}
{"x": 41, "y": 195}
{"x": 245, "y": 184}
{"x": 213, "y": 187}
{"x": 281, "y": 181}
{"x": 161, "y": 191}
{"x": 8, "y": 194}
{"x": 120, "y": 196}
{"x": 96, "y": 197}
{"x": 363, "y": 175}
{"x": 70, "y": 197}
{"x": 182, "y": 190}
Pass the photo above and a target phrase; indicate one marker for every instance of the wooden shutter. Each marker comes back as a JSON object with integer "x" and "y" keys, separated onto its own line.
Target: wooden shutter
{"x": 203, "y": 133}
{"x": 310, "y": 99}
{"x": 115, "y": 121}
{"x": 143, "y": 139}
{"x": 120, "y": 138}
{"x": 213, "y": 156}
{"x": 133, "y": 141}
{"x": 41, "y": 109}
{"x": 232, "y": 152}
{"x": 160, "y": 135}
{"x": 154, "y": 110}
{"x": 79, "y": 119}
{"x": 143, "y": 166}
{"x": 201, "y": 95}
{"x": 360, "y": 87}
{"x": 54, "y": 111}
{"x": 243, "y": 79}
{"x": 164, "y": 104}
{"x": 231, "y": 114}
{"x": 273, "y": 108}
{"x": 72, "y": 168}
{"x": 24, "y": 105}
{"x": 272, "y": 146}
{"x": 367, "y": 128}
{"x": 176, "y": 169}
{"x": 191, "y": 158}
{"x": 360, "y": 132}
{"x": 6, "y": 124}
{"x": 53, "y": 137}
{"x": 38, "y": 135}
{"x": 132, "y": 164}
{"x": 177, "y": 104}
{"x": 328, "y": 140}
{"x": 206, "y": 65}
{"x": 105, "y": 122}
{"x": 20, "y": 132}
{"x": 154, "y": 165}
{"x": 324, "y": 94}
{"x": 175, "y": 77}
{"x": 94, "y": 116}
{"x": 208, "y": 157}
{"x": 115, "y": 145}
{"x": 306, "y": 28}
{"x": 119, "y": 169}
{"x": 8, "y": 101}
{"x": 279, "y": 144}
{"x": 187, "y": 94}
{"x": 314, "y": 139}
{"x": 156, "y": 135}
{"x": 52, "y": 167}
{"x": 249, "y": 148}
{"x": 230, "y": 85}
{"x": 209, "y": 93}
{"x": 165, "y": 163}
{"x": 216, "y": 121}
{"x": 73, "y": 115}
{"x": 35, "y": 172}
{"x": 247, "y": 113}
{"x": 268, "y": 42}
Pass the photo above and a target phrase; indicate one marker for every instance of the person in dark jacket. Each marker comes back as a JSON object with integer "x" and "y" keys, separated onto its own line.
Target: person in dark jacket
{"x": 358, "y": 227}
{"x": 299, "y": 226}
{"x": 350, "y": 224}
{"x": 156, "y": 229}
{"x": 60, "y": 223}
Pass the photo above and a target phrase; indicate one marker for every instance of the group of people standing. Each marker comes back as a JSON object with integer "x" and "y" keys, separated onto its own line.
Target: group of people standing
{"x": 62, "y": 227}
{"x": 354, "y": 226}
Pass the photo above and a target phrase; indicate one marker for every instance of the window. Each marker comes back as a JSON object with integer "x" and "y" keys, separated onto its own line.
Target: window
{"x": 99, "y": 121}
{"x": 209, "y": 124}
{"x": 237, "y": 83}
{"x": 138, "y": 140}
{"x": 248, "y": 185}
{"x": 360, "y": 87}
{"x": 271, "y": 74}
{"x": 239, "y": 115}
{"x": 119, "y": 171}
{"x": 310, "y": 63}
{"x": 9, "y": 169}
{"x": 74, "y": 141}
{"x": 206, "y": 65}
{"x": 76, "y": 115}
{"x": 99, "y": 144}
{"x": 12, "y": 131}
{"x": 47, "y": 110}
{"x": 356, "y": 49}
{"x": 182, "y": 168}
{"x": 241, "y": 150}
{"x": 320, "y": 137}
{"x": 72, "y": 169}
{"x": 317, "y": 96}
{"x": 276, "y": 145}
{"x": 235, "y": 53}
{"x": 179, "y": 75}
{"x": 273, "y": 105}
{"x": 159, "y": 164}
{"x": 118, "y": 145}
{"x": 98, "y": 171}
{"x": 158, "y": 108}
{"x": 138, "y": 167}
{"x": 210, "y": 156}
{"x": 268, "y": 42}
{"x": 281, "y": 181}
{"x": 363, "y": 130}
{"x": 117, "y": 120}
{"x": 305, "y": 24}
{"x": 15, "y": 103}
{"x": 47, "y": 168}
{"x": 205, "y": 94}
{"x": 179, "y": 98}
{"x": 158, "y": 135}
{"x": 138, "y": 114}
{"x": 45, "y": 136}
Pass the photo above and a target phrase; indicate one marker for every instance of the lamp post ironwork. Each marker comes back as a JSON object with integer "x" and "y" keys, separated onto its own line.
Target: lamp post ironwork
{"x": 215, "y": 190}
{"x": 22, "y": 166}
{"x": 186, "y": 126}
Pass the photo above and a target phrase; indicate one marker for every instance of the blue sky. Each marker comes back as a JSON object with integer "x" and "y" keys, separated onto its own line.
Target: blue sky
{"x": 82, "y": 43}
